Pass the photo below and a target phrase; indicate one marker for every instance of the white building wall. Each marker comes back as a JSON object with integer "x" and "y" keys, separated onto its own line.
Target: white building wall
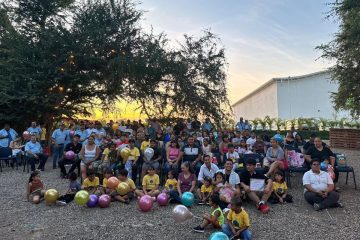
{"x": 258, "y": 104}
{"x": 307, "y": 97}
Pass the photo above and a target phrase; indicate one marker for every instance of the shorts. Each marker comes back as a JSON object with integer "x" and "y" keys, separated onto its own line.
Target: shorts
{"x": 37, "y": 192}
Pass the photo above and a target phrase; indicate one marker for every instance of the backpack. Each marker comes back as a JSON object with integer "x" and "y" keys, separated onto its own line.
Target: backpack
{"x": 340, "y": 160}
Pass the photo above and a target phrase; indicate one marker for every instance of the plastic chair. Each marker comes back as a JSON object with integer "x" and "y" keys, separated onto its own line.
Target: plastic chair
{"x": 5, "y": 155}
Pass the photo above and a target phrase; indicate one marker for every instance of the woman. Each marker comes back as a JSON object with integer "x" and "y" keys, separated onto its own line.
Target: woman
{"x": 172, "y": 157}
{"x": 290, "y": 140}
{"x": 186, "y": 183}
{"x": 299, "y": 140}
{"x": 16, "y": 147}
{"x": 243, "y": 149}
{"x": 206, "y": 147}
{"x": 88, "y": 154}
{"x": 259, "y": 146}
{"x": 223, "y": 148}
{"x": 275, "y": 158}
{"x": 159, "y": 137}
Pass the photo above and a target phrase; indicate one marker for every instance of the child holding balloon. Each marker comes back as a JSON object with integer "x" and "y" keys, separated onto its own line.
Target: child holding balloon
{"x": 108, "y": 173}
{"x": 150, "y": 184}
{"x": 171, "y": 182}
{"x": 74, "y": 187}
{"x": 91, "y": 183}
{"x": 35, "y": 188}
{"x": 126, "y": 188}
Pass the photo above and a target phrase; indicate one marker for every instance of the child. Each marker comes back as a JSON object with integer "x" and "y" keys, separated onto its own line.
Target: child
{"x": 108, "y": 173}
{"x": 150, "y": 184}
{"x": 171, "y": 182}
{"x": 234, "y": 156}
{"x": 237, "y": 221}
{"x": 279, "y": 193}
{"x": 123, "y": 177}
{"x": 74, "y": 186}
{"x": 35, "y": 189}
{"x": 216, "y": 218}
{"x": 225, "y": 191}
{"x": 204, "y": 193}
{"x": 91, "y": 183}
{"x": 109, "y": 157}
{"x": 326, "y": 166}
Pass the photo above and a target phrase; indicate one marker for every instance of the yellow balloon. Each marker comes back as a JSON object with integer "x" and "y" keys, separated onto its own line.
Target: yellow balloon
{"x": 51, "y": 196}
{"x": 123, "y": 188}
{"x": 125, "y": 153}
{"x": 82, "y": 197}
{"x": 115, "y": 127}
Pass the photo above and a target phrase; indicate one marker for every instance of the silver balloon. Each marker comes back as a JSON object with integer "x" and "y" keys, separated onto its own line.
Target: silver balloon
{"x": 181, "y": 213}
{"x": 149, "y": 153}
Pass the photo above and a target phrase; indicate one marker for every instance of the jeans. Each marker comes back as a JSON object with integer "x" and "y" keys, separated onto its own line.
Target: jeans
{"x": 174, "y": 195}
{"x": 75, "y": 163}
{"x": 42, "y": 158}
{"x": 330, "y": 201}
{"x": 167, "y": 167}
{"x": 246, "y": 234}
{"x": 57, "y": 153}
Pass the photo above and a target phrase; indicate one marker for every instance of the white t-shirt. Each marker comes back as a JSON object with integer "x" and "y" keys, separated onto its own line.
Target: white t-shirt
{"x": 250, "y": 142}
{"x": 234, "y": 156}
{"x": 319, "y": 182}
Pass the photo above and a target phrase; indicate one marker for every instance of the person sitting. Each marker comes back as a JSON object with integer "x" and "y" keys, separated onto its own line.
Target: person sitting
{"x": 234, "y": 156}
{"x": 17, "y": 152}
{"x": 150, "y": 183}
{"x": 154, "y": 161}
{"x": 74, "y": 146}
{"x": 172, "y": 157}
{"x": 186, "y": 183}
{"x": 123, "y": 173}
{"x": 34, "y": 152}
{"x": 192, "y": 153}
{"x": 88, "y": 154}
{"x": 280, "y": 194}
{"x": 91, "y": 183}
{"x": 208, "y": 169}
{"x": 205, "y": 192}
{"x": 275, "y": 158}
{"x": 310, "y": 143}
{"x": 259, "y": 146}
{"x": 319, "y": 188}
{"x": 290, "y": 140}
{"x": 263, "y": 192}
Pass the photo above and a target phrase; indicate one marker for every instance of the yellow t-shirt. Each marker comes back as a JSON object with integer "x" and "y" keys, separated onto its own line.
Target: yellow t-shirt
{"x": 134, "y": 153}
{"x": 144, "y": 145}
{"x": 43, "y": 134}
{"x": 279, "y": 188}
{"x": 150, "y": 182}
{"x": 206, "y": 189}
{"x": 87, "y": 183}
{"x": 104, "y": 182}
{"x": 131, "y": 184}
{"x": 171, "y": 184}
{"x": 239, "y": 220}
{"x": 106, "y": 154}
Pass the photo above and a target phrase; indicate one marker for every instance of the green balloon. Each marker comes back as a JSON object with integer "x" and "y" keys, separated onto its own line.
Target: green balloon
{"x": 82, "y": 197}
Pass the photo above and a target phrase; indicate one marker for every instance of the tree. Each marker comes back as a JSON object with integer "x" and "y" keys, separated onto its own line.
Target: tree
{"x": 59, "y": 58}
{"x": 344, "y": 50}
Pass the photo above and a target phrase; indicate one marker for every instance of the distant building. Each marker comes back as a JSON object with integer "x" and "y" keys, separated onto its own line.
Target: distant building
{"x": 292, "y": 97}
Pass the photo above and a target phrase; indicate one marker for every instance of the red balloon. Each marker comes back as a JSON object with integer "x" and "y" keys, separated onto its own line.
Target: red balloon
{"x": 145, "y": 203}
{"x": 26, "y": 135}
{"x": 112, "y": 183}
{"x": 104, "y": 201}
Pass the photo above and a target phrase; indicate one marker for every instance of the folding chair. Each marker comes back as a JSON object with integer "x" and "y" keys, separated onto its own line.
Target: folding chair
{"x": 5, "y": 155}
{"x": 347, "y": 169}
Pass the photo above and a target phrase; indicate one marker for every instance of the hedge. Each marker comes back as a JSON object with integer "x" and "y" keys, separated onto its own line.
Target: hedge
{"x": 305, "y": 134}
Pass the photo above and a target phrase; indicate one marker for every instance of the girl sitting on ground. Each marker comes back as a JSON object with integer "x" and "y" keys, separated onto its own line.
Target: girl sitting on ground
{"x": 225, "y": 191}
{"x": 171, "y": 182}
{"x": 205, "y": 192}
{"x": 35, "y": 189}
{"x": 279, "y": 194}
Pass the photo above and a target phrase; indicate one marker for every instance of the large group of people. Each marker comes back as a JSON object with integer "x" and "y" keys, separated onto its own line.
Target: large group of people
{"x": 189, "y": 156}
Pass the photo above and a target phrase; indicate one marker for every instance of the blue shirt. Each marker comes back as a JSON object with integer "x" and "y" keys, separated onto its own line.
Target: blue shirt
{"x": 240, "y": 126}
{"x": 83, "y": 134}
{"x": 60, "y": 136}
{"x": 33, "y": 147}
{"x": 10, "y": 136}
{"x": 207, "y": 126}
{"x": 36, "y": 130}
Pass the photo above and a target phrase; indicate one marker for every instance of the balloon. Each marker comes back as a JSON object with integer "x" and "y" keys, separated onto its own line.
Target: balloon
{"x": 218, "y": 236}
{"x": 162, "y": 199}
{"x": 278, "y": 138}
{"x": 115, "y": 126}
{"x": 125, "y": 153}
{"x": 26, "y": 135}
{"x": 145, "y": 203}
{"x": 51, "y": 196}
{"x": 112, "y": 183}
{"x": 149, "y": 153}
{"x": 187, "y": 199}
{"x": 70, "y": 155}
{"x": 123, "y": 188}
{"x": 93, "y": 200}
{"x": 104, "y": 201}
{"x": 181, "y": 213}
{"x": 323, "y": 166}
{"x": 72, "y": 133}
{"x": 81, "y": 197}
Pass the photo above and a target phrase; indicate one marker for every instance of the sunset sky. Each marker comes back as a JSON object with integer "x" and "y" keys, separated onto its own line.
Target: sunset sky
{"x": 263, "y": 39}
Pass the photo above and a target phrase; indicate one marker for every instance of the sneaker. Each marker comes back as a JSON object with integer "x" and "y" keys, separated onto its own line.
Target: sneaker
{"x": 60, "y": 203}
{"x": 339, "y": 205}
{"x": 199, "y": 229}
{"x": 317, "y": 207}
{"x": 264, "y": 208}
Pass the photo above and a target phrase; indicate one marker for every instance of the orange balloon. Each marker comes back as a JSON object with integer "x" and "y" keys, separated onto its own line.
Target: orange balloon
{"x": 112, "y": 183}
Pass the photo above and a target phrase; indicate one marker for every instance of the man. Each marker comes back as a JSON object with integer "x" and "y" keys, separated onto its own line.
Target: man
{"x": 99, "y": 130}
{"x": 231, "y": 177}
{"x": 90, "y": 128}
{"x": 240, "y": 126}
{"x": 195, "y": 125}
{"x": 179, "y": 127}
{"x": 258, "y": 196}
{"x": 319, "y": 188}
{"x": 250, "y": 141}
{"x": 236, "y": 140}
{"x": 7, "y": 135}
{"x": 208, "y": 169}
{"x": 59, "y": 138}
{"x": 82, "y": 132}
{"x": 74, "y": 146}
{"x": 34, "y": 152}
{"x": 34, "y": 130}
{"x": 247, "y": 125}
{"x": 207, "y": 126}
{"x": 190, "y": 152}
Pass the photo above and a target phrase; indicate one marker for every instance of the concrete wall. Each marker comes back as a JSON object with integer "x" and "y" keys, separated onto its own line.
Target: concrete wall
{"x": 258, "y": 104}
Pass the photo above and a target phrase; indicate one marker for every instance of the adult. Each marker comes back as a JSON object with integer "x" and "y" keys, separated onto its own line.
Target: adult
{"x": 173, "y": 157}
{"x": 275, "y": 158}
{"x": 59, "y": 138}
{"x": 223, "y": 148}
{"x": 192, "y": 153}
{"x": 258, "y": 196}
{"x": 195, "y": 125}
{"x": 208, "y": 169}
{"x": 290, "y": 140}
{"x": 88, "y": 154}
{"x": 310, "y": 143}
{"x": 7, "y": 135}
{"x": 231, "y": 177}
{"x": 179, "y": 127}
{"x": 99, "y": 130}
{"x": 240, "y": 126}
{"x": 319, "y": 188}
{"x": 154, "y": 161}
{"x": 236, "y": 140}
{"x": 299, "y": 140}
{"x": 186, "y": 183}
{"x": 251, "y": 141}
{"x": 259, "y": 146}
{"x": 34, "y": 152}
{"x": 207, "y": 126}
{"x": 91, "y": 129}
{"x": 247, "y": 125}
{"x": 74, "y": 146}
{"x": 34, "y": 129}
{"x": 321, "y": 152}
{"x": 206, "y": 147}
{"x": 82, "y": 132}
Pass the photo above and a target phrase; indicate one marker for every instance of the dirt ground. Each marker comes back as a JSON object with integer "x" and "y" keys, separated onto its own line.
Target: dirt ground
{"x": 20, "y": 219}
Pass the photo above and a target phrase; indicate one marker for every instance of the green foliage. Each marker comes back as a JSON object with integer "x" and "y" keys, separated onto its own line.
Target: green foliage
{"x": 305, "y": 134}
{"x": 344, "y": 50}
{"x": 280, "y": 123}
{"x": 255, "y": 123}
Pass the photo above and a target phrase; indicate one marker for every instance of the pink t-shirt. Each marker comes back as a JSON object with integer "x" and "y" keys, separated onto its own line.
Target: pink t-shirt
{"x": 174, "y": 153}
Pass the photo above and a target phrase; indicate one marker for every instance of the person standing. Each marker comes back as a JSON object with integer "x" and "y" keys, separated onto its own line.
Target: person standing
{"x": 59, "y": 138}
{"x": 35, "y": 130}
{"x": 7, "y": 135}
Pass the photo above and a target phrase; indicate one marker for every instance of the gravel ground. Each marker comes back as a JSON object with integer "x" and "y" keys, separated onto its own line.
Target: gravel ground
{"x": 22, "y": 220}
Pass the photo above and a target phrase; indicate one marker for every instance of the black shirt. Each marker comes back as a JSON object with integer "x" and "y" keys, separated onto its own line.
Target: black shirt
{"x": 75, "y": 148}
{"x": 191, "y": 152}
{"x": 246, "y": 176}
{"x": 309, "y": 144}
{"x": 325, "y": 153}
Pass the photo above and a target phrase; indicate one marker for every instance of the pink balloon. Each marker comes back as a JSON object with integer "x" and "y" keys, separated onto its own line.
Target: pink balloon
{"x": 70, "y": 155}
{"x": 72, "y": 133}
{"x": 145, "y": 203}
{"x": 104, "y": 201}
{"x": 162, "y": 199}
{"x": 26, "y": 135}
{"x": 181, "y": 213}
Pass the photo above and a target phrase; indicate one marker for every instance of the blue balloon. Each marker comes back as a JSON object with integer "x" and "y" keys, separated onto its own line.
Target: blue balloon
{"x": 323, "y": 166}
{"x": 278, "y": 138}
{"x": 187, "y": 199}
{"x": 218, "y": 236}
